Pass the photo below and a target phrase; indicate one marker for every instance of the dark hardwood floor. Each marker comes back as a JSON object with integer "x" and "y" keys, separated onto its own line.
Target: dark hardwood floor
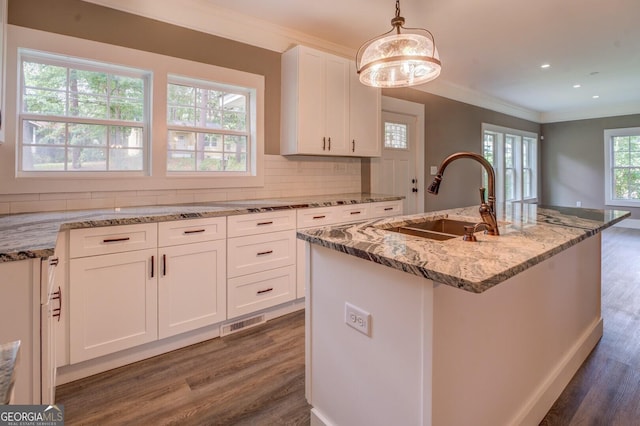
{"x": 606, "y": 388}
{"x": 256, "y": 377}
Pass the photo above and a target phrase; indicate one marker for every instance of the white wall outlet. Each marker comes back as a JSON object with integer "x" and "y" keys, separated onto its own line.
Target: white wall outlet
{"x": 434, "y": 170}
{"x": 578, "y": 203}
{"x": 357, "y": 318}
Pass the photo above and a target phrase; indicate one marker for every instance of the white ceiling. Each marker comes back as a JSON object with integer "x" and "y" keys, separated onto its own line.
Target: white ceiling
{"x": 491, "y": 50}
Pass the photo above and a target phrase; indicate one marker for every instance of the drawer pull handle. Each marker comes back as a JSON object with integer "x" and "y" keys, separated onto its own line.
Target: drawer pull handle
{"x": 262, "y": 253}
{"x": 195, "y": 231}
{"x": 164, "y": 265}
{"x": 115, "y": 240}
{"x": 319, "y": 217}
{"x": 57, "y": 295}
{"x": 358, "y": 212}
{"x": 266, "y": 290}
{"x": 386, "y": 209}
{"x": 265, "y": 223}
{"x": 153, "y": 265}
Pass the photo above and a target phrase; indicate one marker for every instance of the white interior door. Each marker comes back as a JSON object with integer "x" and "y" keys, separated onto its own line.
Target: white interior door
{"x": 400, "y": 170}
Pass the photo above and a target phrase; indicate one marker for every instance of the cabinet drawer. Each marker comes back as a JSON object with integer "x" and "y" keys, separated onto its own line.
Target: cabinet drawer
{"x": 260, "y": 223}
{"x": 256, "y": 253}
{"x": 354, "y": 212}
{"x": 318, "y": 216}
{"x": 112, "y": 239}
{"x": 386, "y": 208}
{"x": 191, "y": 231}
{"x": 253, "y": 292}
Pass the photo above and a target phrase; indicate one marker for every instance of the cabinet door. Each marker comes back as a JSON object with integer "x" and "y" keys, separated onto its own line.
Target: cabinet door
{"x": 336, "y": 104}
{"x": 113, "y": 303}
{"x": 191, "y": 287}
{"x": 364, "y": 118}
{"x": 311, "y": 103}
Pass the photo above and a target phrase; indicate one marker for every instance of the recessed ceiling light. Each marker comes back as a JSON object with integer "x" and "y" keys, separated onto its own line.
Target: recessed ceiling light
{"x": 544, "y": 66}
{"x": 595, "y": 96}
{"x": 577, "y": 86}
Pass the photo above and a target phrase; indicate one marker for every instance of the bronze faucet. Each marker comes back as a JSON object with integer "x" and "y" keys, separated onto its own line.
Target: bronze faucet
{"x": 487, "y": 209}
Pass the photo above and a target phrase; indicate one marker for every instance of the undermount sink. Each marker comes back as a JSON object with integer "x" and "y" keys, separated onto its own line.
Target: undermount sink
{"x": 439, "y": 229}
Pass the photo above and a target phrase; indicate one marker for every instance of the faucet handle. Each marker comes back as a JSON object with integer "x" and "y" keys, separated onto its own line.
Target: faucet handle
{"x": 483, "y": 199}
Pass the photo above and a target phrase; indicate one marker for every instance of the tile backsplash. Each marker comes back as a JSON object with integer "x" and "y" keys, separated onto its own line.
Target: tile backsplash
{"x": 284, "y": 177}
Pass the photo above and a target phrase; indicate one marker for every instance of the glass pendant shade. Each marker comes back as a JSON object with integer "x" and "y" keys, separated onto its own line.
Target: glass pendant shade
{"x": 397, "y": 59}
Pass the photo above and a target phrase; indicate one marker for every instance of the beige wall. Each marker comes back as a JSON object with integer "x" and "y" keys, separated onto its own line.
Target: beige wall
{"x": 573, "y": 161}
{"x": 452, "y": 126}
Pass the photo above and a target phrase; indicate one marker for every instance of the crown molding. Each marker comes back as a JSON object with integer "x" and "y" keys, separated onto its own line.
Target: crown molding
{"x": 202, "y": 16}
{"x": 592, "y": 112}
{"x": 469, "y": 96}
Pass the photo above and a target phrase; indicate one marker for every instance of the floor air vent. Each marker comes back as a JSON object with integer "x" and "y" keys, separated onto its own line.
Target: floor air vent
{"x": 241, "y": 325}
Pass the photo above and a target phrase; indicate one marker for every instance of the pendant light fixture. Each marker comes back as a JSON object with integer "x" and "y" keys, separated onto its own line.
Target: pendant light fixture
{"x": 399, "y": 58}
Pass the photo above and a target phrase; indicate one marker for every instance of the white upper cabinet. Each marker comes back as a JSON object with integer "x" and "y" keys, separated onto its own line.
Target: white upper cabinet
{"x": 317, "y": 104}
{"x": 364, "y": 118}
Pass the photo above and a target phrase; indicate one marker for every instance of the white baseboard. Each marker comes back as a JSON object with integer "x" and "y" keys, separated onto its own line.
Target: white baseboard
{"x": 629, "y": 223}
{"x": 318, "y": 419}
{"x": 543, "y": 399}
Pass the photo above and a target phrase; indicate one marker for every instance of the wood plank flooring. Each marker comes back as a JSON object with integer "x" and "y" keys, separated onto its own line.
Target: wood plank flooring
{"x": 256, "y": 377}
{"x": 606, "y": 388}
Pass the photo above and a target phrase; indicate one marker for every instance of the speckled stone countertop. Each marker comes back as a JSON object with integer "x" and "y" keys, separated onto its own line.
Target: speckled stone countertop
{"x": 33, "y": 235}
{"x": 8, "y": 358}
{"x": 529, "y": 235}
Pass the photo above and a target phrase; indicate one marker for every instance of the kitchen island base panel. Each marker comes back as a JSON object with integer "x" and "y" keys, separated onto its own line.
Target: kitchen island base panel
{"x": 440, "y": 355}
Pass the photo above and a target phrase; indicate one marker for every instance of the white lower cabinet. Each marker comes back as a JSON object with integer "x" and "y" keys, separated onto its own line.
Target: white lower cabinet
{"x": 261, "y": 262}
{"x": 113, "y": 303}
{"x": 191, "y": 287}
{"x": 253, "y": 292}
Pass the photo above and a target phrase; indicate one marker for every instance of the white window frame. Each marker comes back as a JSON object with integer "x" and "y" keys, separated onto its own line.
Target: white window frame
{"x": 501, "y": 134}
{"x": 88, "y": 65}
{"x": 609, "y": 134}
{"x": 250, "y": 133}
{"x": 161, "y": 66}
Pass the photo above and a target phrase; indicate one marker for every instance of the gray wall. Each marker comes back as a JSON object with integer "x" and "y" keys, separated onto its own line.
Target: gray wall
{"x": 573, "y": 161}
{"x": 452, "y": 126}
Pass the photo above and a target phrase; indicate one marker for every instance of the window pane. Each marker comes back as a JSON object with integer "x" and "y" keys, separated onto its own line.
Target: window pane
{"x": 87, "y": 134}
{"x": 43, "y": 132}
{"x": 125, "y": 159}
{"x": 621, "y": 143}
{"x": 212, "y": 142}
{"x": 526, "y": 183}
{"x": 621, "y": 158}
{"x": 211, "y": 162}
{"x": 235, "y": 162}
{"x": 44, "y": 76}
{"x": 43, "y": 158}
{"x": 509, "y": 185}
{"x": 395, "y": 135}
{"x": 87, "y": 106}
{"x": 180, "y": 161}
{"x": 237, "y": 144}
{"x": 182, "y": 140}
{"x": 87, "y": 159}
{"x": 508, "y": 151}
{"x": 48, "y": 102}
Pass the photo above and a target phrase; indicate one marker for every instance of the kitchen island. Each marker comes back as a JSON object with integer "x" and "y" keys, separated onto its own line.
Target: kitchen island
{"x": 451, "y": 332}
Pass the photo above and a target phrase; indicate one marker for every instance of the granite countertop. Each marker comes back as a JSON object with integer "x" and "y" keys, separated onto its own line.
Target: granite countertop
{"x": 33, "y": 235}
{"x": 529, "y": 235}
{"x": 8, "y": 358}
